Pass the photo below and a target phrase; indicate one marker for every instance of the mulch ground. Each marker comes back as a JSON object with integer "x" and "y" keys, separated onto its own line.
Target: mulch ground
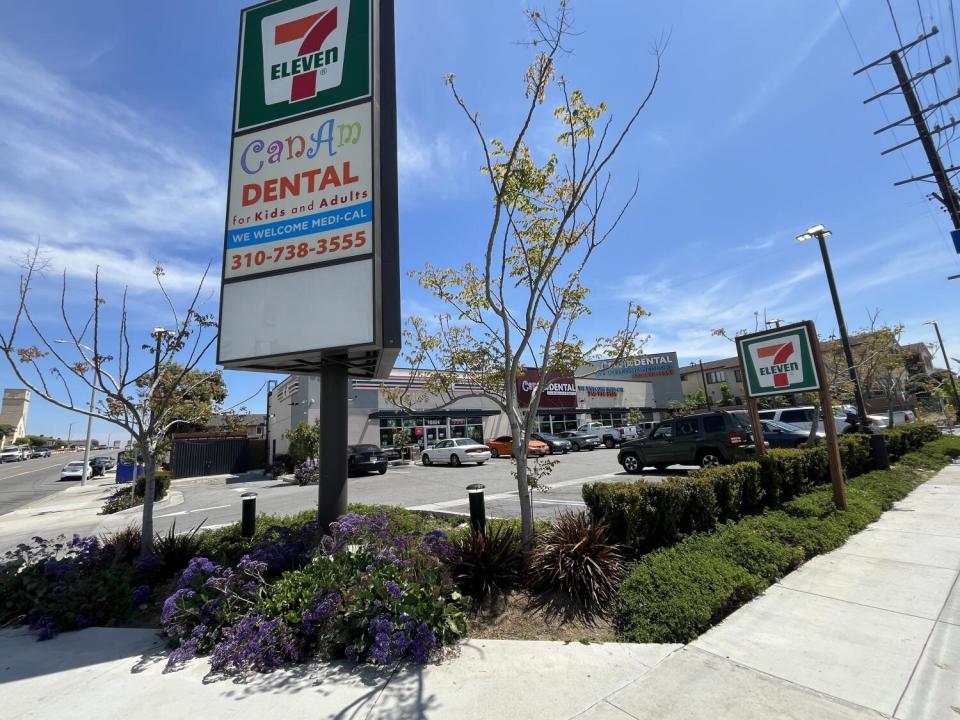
{"x": 520, "y": 616}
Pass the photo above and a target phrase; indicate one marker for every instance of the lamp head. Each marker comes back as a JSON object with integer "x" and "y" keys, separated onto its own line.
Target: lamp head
{"x": 812, "y": 232}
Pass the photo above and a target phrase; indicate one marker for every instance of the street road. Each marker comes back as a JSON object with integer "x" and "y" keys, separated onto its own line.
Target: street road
{"x": 25, "y": 482}
{"x": 436, "y": 488}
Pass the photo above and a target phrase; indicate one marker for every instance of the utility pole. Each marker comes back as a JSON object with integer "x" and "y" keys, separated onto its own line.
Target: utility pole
{"x": 925, "y": 135}
{"x": 946, "y": 360}
{"x": 706, "y": 392}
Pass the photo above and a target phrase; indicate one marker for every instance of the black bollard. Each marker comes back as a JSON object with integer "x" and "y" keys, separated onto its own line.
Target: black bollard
{"x": 879, "y": 458}
{"x": 248, "y": 517}
{"x": 478, "y": 515}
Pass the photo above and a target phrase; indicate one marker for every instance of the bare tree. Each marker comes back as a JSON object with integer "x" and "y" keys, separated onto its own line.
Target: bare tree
{"x": 145, "y": 401}
{"x": 519, "y": 308}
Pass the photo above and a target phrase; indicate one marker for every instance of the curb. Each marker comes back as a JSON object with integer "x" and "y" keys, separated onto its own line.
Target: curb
{"x": 172, "y": 499}
{"x": 219, "y": 479}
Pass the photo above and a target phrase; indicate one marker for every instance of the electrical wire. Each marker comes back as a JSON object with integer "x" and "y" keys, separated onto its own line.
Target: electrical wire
{"x": 893, "y": 132}
{"x": 943, "y": 141}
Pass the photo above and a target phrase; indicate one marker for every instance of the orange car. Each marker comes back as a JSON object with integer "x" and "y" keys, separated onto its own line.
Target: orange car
{"x": 503, "y": 445}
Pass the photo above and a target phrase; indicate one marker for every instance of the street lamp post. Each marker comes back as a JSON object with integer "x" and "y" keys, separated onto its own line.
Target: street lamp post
{"x": 821, "y": 234}
{"x": 946, "y": 360}
{"x": 93, "y": 397}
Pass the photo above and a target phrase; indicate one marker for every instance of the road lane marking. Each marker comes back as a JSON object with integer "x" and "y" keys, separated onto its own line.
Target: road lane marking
{"x": 187, "y": 512}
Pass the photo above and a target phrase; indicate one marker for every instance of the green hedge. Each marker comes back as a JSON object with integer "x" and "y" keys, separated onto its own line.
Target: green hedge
{"x": 645, "y": 515}
{"x": 674, "y": 594}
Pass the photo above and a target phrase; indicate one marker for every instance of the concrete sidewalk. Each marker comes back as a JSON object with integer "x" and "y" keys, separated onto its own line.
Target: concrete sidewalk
{"x": 868, "y": 631}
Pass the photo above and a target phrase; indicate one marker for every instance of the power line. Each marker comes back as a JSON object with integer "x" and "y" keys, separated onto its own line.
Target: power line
{"x": 891, "y": 126}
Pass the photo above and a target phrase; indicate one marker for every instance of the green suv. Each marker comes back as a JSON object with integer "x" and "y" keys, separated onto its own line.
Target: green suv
{"x": 705, "y": 439}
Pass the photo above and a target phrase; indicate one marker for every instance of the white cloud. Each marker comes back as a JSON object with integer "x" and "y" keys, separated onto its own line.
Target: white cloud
{"x": 764, "y": 92}
{"x": 93, "y": 178}
{"x": 425, "y": 163}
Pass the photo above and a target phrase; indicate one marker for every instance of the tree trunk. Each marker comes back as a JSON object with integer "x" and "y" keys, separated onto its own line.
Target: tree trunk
{"x": 814, "y": 425}
{"x": 523, "y": 489}
{"x": 149, "y": 490}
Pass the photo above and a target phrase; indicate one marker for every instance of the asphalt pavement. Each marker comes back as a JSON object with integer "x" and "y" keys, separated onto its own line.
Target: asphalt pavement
{"x": 435, "y": 488}
{"x": 216, "y": 501}
{"x": 22, "y": 483}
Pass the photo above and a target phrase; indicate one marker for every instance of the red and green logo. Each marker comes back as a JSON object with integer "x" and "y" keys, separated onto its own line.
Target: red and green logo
{"x": 778, "y": 362}
{"x": 298, "y": 56}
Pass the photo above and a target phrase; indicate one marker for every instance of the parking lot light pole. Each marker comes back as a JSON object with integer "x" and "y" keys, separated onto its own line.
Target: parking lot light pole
{"x": 821, "y": 234}
{"x": 946, "y": 360}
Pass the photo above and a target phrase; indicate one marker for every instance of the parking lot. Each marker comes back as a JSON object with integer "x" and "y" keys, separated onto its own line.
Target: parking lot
{"x": 443, "y": 488}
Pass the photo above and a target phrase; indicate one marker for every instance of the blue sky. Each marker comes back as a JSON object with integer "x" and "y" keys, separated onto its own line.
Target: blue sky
{"x": 114, "y": 131}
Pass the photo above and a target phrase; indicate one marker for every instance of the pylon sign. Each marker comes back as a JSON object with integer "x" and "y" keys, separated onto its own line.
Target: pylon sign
{"x": 311, "y": 248}
{"x": 778, "y": 362}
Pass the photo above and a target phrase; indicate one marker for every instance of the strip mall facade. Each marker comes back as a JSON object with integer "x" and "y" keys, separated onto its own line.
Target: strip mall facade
{"x": 597, "y": 391}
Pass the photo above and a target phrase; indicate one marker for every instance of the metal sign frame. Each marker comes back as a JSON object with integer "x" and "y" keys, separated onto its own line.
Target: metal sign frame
{"x": 367, "y": 359}
{"x": 805, "y": 361}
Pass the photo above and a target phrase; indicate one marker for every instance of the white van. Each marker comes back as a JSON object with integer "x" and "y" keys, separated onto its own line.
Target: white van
{"x": 801, "y": 417}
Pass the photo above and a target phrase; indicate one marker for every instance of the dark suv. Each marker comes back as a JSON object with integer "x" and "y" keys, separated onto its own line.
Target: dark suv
{"x": 705, "y": 439}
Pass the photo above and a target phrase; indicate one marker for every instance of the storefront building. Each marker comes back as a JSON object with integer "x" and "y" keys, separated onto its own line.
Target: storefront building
{"x": 379, "y": 410}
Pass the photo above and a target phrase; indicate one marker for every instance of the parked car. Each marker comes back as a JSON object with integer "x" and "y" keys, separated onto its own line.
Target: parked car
{"x": 704, "y": 439}
{"x": 455, "y": 452}
{"x": 106, "y": 461}
{"x": 503, "y": 445}
{"x": 610, "y": 435}
{"x": 900, "y": 417}
{"x": 366, "y": 458}
{"x": 802, "y": 417}
{"x": 580, "y": 440}
{"x": 782, "y": 435}
{"x": 72, "y": 470}
{"x": 645, "y": 428}
{"x": 555, "y": 444}
{"x": 14, "y": 454}
{"x": 40, "y": 453}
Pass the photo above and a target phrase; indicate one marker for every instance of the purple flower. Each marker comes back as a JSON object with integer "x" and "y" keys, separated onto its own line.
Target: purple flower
{"x": 391, "y": 587}
{"x": 171, "y": 604}
{"x": 198, "y": 568}
{"x": 141, "y": 595}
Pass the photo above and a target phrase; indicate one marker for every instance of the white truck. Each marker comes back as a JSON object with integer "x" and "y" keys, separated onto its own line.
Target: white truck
{"x": 609, "y": 435}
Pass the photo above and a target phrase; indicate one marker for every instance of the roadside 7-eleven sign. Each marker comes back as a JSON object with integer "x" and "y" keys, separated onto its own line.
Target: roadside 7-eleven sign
{"x": 778, "y": 362}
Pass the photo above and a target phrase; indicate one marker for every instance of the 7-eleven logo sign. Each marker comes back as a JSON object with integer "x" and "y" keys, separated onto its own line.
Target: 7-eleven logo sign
{"x": 779, "y": 361}
{"x": 303, "y": 50}
{"x": 779, "y": 367}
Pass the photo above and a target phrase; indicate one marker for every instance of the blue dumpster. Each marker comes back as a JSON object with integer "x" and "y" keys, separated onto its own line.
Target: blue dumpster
{"x": 127, "y": 471}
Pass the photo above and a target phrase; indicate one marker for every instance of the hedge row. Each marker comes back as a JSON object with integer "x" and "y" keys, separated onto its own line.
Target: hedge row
{"x": 675, "y": 594}
{"x": 644, "y": 515}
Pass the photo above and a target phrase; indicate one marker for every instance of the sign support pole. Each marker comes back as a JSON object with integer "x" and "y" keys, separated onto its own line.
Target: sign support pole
{"x": 757, "y": 427}
{"x": 332, "y": 490}
{"x": 826, "y": 409}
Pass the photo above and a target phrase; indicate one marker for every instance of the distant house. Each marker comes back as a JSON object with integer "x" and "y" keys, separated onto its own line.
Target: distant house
{"x": 254, "y": 425}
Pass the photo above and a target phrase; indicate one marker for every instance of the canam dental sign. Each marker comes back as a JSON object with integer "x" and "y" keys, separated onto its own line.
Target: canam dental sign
{"x": 778, "y": 362}
{"x": 311, "y": 251}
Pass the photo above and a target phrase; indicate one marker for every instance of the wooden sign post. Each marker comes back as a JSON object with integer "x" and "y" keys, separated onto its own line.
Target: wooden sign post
{"x": 784, "y": 361}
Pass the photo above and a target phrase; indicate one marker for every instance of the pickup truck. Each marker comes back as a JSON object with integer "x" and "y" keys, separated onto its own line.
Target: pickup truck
{"x": 609, "y": 435}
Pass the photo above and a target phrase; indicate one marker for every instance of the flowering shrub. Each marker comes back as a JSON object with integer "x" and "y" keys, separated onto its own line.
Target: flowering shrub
{"x": 307, "y": 473}
{"x": 363, "y": 592}
{"x": 58, "y": 585}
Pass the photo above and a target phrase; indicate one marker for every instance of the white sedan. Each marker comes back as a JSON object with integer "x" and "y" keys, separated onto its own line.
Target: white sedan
{"x": 72, "y": 471}
{"x": 456, "y": 451}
